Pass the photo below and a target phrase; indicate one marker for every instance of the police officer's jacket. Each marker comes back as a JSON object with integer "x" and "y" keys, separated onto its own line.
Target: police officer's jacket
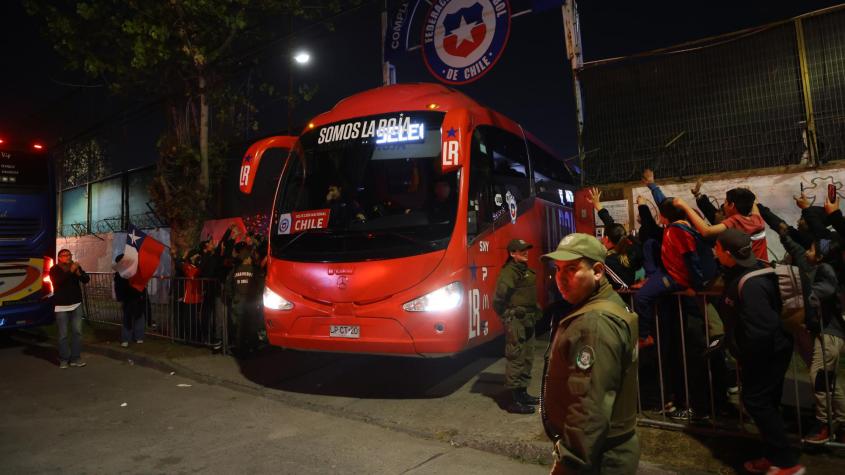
{"x": 245, "y": 283}
{"x": 589, "y": 387}
{"x": 516, "y": 287}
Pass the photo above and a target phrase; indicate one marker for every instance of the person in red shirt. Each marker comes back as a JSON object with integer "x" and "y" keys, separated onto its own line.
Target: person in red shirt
{"x": 741, "y": 214}
{"x": 679, "y": 271}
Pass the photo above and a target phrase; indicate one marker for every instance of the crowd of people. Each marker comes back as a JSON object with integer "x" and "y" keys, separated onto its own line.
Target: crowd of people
{"x": 723, "y": 252}
{"x": 222, "y": 275}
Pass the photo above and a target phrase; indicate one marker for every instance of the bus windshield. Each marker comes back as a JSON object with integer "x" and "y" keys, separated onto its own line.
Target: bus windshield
{"x": 364, "y": 189}
{"x": 23, "y": 173}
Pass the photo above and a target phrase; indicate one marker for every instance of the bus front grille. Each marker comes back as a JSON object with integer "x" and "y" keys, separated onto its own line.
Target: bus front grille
{"x": 19, "y": 229}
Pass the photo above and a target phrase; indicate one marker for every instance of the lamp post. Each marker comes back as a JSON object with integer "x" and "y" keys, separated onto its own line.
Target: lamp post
{"x": 300, "y": 58}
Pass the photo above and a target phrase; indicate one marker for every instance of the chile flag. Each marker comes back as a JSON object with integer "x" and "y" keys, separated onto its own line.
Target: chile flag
{"x": 141, "y": 256}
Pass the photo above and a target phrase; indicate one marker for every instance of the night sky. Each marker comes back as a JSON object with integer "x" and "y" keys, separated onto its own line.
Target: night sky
{"x": 531, "y": 83}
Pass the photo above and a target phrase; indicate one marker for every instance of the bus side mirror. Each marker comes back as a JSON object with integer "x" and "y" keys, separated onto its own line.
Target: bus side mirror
{"x": 252, "y": 159}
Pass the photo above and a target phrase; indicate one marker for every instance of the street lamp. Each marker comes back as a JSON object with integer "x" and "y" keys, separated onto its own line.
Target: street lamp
{"x": 301, "y": 58}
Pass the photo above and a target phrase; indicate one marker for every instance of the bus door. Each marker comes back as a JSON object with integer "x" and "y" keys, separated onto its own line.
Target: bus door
{"x": 483, "y": 257}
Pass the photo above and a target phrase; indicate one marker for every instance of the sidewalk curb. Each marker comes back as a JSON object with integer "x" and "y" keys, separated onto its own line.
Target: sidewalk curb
{"x": 538, "y": 453}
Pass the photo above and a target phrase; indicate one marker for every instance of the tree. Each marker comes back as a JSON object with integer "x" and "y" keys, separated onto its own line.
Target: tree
{"x": 184, "y": 53}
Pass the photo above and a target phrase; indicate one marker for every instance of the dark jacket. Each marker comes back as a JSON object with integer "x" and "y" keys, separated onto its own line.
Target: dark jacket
{"x": 66, "y": 289}
{"x": 822, "y": 309}
{"x": 124, "y": 292}
{"x": 752, "y": 320}
{"x": 707, "y": 208}
{"x": 616, "y": 261}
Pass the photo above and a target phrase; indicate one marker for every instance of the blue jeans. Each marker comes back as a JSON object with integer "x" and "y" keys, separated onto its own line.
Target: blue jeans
{"x": 70, "y": 353}
{"x": 657, "y": 285}
{"x": 133, "y": 320}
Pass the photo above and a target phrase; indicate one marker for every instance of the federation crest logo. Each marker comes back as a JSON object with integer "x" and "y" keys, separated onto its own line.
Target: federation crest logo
{"x": 284, "y": 224}
{"x": 511, "y": 200}
{"x": 463, "y": 39}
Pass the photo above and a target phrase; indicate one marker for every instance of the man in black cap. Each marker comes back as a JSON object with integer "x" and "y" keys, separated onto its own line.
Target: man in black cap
{"x": 751, "y": 306}
{"x": 516, "y": 303}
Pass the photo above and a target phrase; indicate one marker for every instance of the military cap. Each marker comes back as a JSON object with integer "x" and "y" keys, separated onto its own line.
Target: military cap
{"x": 518, "y": 245}
{"x": 576, "y": 246}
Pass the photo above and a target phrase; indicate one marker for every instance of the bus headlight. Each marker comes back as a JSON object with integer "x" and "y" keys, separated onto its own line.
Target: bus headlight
{"x": 274, "y": 301}
{"x": 444, "y": 298}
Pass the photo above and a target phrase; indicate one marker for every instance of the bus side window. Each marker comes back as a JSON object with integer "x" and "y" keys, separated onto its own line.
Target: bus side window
{"x": 480, "y": 212}
{"x": 551, "y": 176}
{"x": 510, "y": 168}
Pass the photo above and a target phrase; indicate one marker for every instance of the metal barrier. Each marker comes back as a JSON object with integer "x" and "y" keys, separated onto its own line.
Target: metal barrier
{"x": 675, "y": 325}
{"x": 193, "y": 311}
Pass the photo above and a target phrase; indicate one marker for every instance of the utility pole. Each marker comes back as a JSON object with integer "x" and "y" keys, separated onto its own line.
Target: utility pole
{"x": 572, "y": 32}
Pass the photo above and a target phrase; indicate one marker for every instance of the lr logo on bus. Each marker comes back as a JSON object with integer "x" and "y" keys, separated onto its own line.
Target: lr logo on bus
{"x": 450, "y": 153}
{"x": 244, "y": 175}
{"x": 474, "y": 301}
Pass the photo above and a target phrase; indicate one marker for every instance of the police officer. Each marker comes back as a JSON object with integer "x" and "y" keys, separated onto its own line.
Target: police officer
{"x": 516, "y": 303}
{"x": 244, "y": 286}
{"x": 589, "y": 385}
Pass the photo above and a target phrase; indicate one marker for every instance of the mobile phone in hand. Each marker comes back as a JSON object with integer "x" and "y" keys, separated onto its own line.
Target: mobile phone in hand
{"x": 831, "y": 192}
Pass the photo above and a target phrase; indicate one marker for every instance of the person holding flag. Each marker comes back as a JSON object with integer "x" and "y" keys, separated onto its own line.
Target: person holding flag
{"x": 140, "y": 258}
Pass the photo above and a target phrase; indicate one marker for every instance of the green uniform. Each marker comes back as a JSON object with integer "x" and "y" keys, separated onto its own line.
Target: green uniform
{"x": 590, "y": 388}
{"x": 516, "y": 303}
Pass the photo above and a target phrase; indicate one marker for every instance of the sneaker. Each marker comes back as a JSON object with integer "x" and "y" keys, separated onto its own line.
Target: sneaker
{"x": 760, "y": 465}
{"x": 519, "y": 408}
{"x": 78, "y": 364}
{"x": 139, "y": 341}
{"x": 62, "y": 364}
{"x": 733, "y": 390}
{"x": 794, "y": 470}
{"x": 819, "y": 434}
{"x": 687, "y": 415}
{"x": 646, "y": 342}
{"x": 125, "y": 344}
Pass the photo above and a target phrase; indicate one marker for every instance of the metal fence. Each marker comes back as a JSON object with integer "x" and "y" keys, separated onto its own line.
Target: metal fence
{"x": 192, "y": 311}
{"x": 685, "y": 370}
{"x": 751, "y": 99}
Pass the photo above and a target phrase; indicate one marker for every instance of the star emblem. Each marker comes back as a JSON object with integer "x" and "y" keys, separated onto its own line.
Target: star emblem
{"x": 473, "y": 270}
{"x": 451, "y": 132}
{"x": 133, "y": 237}
{"x": 463, "y": 31}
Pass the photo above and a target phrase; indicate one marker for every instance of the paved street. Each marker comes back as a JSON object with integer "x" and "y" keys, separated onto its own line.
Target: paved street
{"x": 114, "y": 417}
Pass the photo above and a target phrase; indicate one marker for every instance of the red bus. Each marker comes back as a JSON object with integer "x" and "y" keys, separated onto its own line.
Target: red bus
{"x": 391, "y": 218}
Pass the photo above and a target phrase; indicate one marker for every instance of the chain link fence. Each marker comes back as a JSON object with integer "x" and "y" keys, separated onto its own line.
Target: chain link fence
{"x": 734, "y": 102}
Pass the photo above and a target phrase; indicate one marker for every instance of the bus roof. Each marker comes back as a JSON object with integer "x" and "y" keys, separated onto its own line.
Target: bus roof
{"x": 418, "y": 96}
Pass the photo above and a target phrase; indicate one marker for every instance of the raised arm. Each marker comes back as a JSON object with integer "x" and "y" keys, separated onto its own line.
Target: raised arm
{"x": 595, "y": 198}
{"x": 698, "y": 222}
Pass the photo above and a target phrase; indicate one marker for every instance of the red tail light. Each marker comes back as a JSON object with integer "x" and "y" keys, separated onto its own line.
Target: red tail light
{"x": 47, "y": 283}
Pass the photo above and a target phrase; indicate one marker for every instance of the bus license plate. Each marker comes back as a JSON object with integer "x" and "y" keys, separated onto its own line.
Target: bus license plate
{"x": 345, "y": 331}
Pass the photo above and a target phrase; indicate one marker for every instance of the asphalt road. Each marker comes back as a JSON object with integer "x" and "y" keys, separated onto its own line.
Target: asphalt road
{"x": 114, "y": 417}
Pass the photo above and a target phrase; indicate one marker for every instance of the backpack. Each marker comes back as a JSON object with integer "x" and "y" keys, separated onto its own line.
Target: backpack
{"x": 792, "y": 314}
{"x": 706, "y": 259}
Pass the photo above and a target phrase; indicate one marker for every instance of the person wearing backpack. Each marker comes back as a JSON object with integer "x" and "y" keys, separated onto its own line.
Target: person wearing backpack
{"x": 688, "y": 265}
{"x": 761, "y": 345}
{"x": 823, "y": 319}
